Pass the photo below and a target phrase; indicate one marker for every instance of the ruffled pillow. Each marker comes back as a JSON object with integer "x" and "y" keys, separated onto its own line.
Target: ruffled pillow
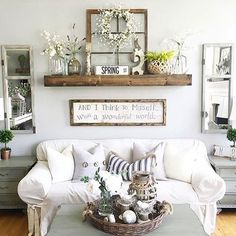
{"x": 87, "y": 162}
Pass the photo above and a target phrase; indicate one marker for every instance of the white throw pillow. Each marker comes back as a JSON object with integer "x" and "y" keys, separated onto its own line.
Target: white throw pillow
{"x": 179, "y": 163}
{"x": 141, "y": 151}
{"x": 61, "y": 165}
{"x": 87, "y": 162}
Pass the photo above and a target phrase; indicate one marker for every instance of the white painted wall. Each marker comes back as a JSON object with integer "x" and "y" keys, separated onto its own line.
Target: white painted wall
{"x": 22, "y": 21}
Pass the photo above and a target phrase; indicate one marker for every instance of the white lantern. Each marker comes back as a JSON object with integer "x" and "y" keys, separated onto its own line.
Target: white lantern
{"x": 18, "y": 105}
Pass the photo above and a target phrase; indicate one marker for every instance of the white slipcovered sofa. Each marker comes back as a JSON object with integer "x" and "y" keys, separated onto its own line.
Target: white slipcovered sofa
{"x": 201, "y": 192}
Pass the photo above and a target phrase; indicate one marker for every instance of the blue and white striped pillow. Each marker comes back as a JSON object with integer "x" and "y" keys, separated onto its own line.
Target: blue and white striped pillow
{"x": 117, "y": 165}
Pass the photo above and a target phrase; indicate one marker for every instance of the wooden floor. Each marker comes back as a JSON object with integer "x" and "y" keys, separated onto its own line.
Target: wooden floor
{"x": 14, "y": 223}
{"x": 226, "y": 223}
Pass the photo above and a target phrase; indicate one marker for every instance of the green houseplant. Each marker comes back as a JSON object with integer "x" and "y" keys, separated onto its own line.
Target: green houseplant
{"x": 5, "y": 137}
{"x": 231, "y": 136}
{"x": 158, "y": 61}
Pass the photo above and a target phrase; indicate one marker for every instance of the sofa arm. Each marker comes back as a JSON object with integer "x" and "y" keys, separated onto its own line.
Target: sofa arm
{"x": 34, "y": 187}
{"x": 208, "y": 185}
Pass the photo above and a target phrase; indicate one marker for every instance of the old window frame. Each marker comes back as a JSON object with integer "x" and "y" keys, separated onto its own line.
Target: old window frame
{"x": 89, "y": 33}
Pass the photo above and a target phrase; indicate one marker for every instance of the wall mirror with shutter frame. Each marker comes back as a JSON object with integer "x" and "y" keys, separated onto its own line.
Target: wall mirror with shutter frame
{"x": 2, "y": 123}
{"x": 17, "y": 82}
{"x": 217, "y": 81}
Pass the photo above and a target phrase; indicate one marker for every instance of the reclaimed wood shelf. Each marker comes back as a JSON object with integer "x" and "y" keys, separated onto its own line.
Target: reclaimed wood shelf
{"x": 118, "y": 80}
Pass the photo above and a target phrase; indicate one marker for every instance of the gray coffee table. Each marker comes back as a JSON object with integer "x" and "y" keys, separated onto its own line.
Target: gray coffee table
{"x": 68, "y": 222}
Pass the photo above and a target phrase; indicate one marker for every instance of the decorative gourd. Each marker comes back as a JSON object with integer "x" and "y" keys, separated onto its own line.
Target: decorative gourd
{"x": 129, "y": 217}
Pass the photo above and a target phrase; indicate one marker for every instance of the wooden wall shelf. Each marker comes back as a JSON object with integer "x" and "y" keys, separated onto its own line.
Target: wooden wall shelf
{"x": 118, "y": 80}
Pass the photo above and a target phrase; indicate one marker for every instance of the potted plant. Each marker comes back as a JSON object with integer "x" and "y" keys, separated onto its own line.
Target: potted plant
{"x": 5, "y": 137}
{"x": 231, "y": 136}
{"x": 158, "y": 61}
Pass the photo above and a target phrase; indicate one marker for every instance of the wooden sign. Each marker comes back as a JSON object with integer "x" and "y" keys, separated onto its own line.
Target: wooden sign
{"x": 111, "y": 70}
{"x": 118, "y": 112}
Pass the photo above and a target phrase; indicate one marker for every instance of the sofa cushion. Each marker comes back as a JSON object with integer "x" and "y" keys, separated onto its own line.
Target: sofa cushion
{"x": 141, "y": 151}
{"x": 179, "y": 163}
{"x": 61, "y": 165}
{"x": 118, "y": 165}
{"x": 87, "y": 162}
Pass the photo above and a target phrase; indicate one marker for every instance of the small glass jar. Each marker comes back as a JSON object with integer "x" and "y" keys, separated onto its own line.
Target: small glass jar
{"x": 74, "y": 66}
{"x": 180, "y": 65}
{"x": 104, "y": 205}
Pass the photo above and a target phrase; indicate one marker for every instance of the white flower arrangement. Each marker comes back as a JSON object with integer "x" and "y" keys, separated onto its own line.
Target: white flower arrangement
{"x": 119, "y": 39}
{"x": 112, "y": 183}
{"x": 56, "y": 46}
{"x": 60, "y": 47}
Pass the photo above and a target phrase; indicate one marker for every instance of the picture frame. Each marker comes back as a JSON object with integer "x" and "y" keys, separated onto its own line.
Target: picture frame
{"x": 225, "y": 61}
{"x": 117, "y": 112}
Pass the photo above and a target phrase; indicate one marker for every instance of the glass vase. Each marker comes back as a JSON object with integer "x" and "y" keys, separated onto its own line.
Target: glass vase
{"x": 180, "y": 64}
{"x": 74, "y": 66}
{"x": 57, "y": 65}
{"x": 104, "y": 205}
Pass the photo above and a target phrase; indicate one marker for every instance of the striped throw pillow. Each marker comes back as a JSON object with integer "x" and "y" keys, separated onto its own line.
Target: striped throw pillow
{"x": 117, "y": 165}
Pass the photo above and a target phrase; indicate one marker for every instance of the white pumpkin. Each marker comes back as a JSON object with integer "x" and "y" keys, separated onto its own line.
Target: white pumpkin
{"x": 111, "y": 218}
{"x": 129, "y": 217}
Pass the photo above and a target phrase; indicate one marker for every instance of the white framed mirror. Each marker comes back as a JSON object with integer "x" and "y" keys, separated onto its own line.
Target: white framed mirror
{"x": 17, "y": 82}
{"x": 2, "y": 119}
{"x": 217, "y": 87}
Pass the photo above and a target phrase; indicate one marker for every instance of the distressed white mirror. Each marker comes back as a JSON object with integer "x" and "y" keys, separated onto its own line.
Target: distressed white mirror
{"x": 17, "y": 75}
{"x": 2, "y": 123}
{"x": 216, "y": 87}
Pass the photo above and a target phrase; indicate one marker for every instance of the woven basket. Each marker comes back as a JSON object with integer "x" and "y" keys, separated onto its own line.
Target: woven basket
{"x": 121, "y": 229}
{"x": 157, "y": 67}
